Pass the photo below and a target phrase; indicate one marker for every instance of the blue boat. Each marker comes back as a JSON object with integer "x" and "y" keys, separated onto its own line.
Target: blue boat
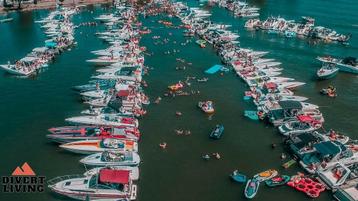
{"x": 217, "y": 132}
{"x": 251, "y": 188}
{"x": 236, "y": 176}
{"x": 251, "y": 114}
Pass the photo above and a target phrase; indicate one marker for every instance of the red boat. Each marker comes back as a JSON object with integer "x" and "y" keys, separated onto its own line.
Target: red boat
{"x": 74, "y": 133}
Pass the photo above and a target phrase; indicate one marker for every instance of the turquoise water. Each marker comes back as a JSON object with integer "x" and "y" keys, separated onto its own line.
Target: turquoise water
{"x": 28, "y": 107}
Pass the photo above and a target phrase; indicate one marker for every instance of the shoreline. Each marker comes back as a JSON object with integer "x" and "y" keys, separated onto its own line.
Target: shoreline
{"x": 50, "y": 4}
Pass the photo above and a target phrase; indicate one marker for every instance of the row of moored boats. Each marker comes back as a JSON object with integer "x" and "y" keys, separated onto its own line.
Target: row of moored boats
{"x": 59, "y": 30}
{"x": 107, "y": 132}
{"x": 290, "y": 28}
{"x": 328, "y": 156}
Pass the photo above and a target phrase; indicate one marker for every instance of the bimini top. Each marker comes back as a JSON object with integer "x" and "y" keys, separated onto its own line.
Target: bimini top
{"x": 123, "y": 93}
{"x": 290, "y": 105}
{"x": 114, "y": 176}
{"x": 327, "y": 148}
{"x": 270, "y": 85}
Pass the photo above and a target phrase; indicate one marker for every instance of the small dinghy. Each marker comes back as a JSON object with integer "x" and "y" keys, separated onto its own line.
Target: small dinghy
{"x": 278, "y": 180}
{"x": 238, "y": 177}
{"x": 207, "y": 107}
{"x": 217, "y": 132}
{"x": 251, "y": 188}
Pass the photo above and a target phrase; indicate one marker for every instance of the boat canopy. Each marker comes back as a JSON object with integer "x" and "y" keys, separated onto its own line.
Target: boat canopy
{"x": 286, "y": 105}
{"x": 114, "y": 176}
{"x": 270, "y": 85}
{"x": 302, "y": 140}
{"x": 123, "y": 93}
{"x": 327, "y": 148}
{"x": 305, "y": 118}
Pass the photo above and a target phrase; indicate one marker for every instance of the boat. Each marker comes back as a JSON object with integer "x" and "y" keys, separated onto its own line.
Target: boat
{"x": 112, "y": 158}
{"x": 206, "y": 106}
{"x": 348, "y": 64}
{"x": 133, "y": 171}
{"x": 104, "y": 120}
{"x": 96, "y": 146}
{"x": 251, "y": 188}
{"x": 217, "y": 132}
{"x": 76, "y": 133}
{"x": 336, "y": 174}
{"x": 303, "y": 124}
{"x": 278, "y": 180}
{"x": 238, "y": 177}
{"x": 25, "y": 67}
{"x": 104, "y": 60}
{"x": 327, "y": 72}
{"x": 107, "y": 184}
{"x": 266, "y": 175}
{"x": 251, "y": 114}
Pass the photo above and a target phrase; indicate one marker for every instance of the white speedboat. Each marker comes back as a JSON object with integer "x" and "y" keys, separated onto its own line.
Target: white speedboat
{"x": 106, "y": 184}
{"x": 112, "y": 158}
{"x": 105, "y": 60}
{"x": 104, "y": 120}
{"x": 25, "y": 67}
{"x": 327, "y": 71}
{"x": 303, "y": 124}
{"x": 96, "y": 146}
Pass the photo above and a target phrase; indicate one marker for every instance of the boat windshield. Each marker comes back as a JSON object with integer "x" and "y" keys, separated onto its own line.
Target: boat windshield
{"x": 113, "y": 143}
{"x": 94, "y": 183}
{"x": 113, "y": 157}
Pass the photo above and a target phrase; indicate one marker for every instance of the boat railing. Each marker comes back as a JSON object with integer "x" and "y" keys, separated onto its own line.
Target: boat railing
{"x": 62, "y": 178}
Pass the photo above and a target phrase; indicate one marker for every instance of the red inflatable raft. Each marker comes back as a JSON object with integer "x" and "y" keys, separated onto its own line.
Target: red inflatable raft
{"x": 306, "y": 185}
